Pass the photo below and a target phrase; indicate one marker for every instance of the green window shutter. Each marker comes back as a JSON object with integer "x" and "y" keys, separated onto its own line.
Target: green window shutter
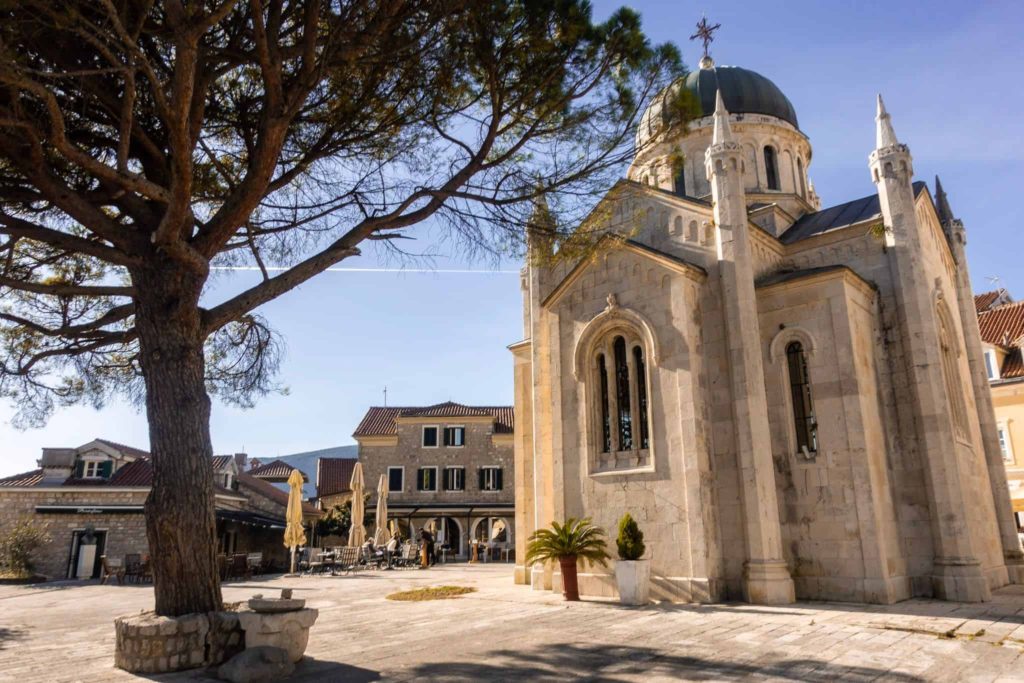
{"x": 106, "y": 469}
{"x": 419, "y": 480}
{"x": 480, "y": 478}
{"x": 497, "y": 478}
{"x": 447, "y": 436}
{"x": 79, "y": 469}
{"x": 432, "y": 474}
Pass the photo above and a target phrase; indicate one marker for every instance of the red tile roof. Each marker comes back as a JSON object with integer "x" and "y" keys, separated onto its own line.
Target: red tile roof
{"x": 127, "y": 450}
{"x": 333, "y": 475}
{"x": 1003, "y": 326}
{"x": 986, "y": 300}
{"x": 268, "y": 490}
{"x": 278, "y": 469}
{"x": 221, "y": 461}
{"x": 24, "y": 479}
{"x": 380, "y": 421}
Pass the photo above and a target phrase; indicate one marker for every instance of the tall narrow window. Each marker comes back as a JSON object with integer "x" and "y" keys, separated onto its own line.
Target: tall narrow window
{"x": 606, "y": 419}
{"x": 991, "y": 364}
{"x": 1004, "y": 443}
{"x": 680, "y": 182}
{"x": 771, "y": 167}
{"x": 641, "y": 395}
{"x": 800, "y": 392}
{"x": 622, "y": 395}
{"x": 951, "y": 376}
{"x": 801, "y": 181}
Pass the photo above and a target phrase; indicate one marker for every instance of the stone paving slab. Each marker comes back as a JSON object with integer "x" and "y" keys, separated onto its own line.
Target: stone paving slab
{"x": 64, "y": 632}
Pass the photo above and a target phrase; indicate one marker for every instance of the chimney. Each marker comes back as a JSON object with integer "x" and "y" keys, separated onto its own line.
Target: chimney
{"x": 240, "y": 459}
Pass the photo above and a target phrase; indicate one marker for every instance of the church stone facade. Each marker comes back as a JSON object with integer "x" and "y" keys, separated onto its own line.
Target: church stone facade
{"x": 791, "y": 401}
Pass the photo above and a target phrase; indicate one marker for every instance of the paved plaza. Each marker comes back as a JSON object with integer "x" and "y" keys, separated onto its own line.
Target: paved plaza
{"x": 64, "y": 632}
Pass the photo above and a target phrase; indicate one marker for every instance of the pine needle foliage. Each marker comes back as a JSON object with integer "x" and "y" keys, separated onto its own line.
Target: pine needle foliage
{"x": 630, "y": 540}
{"x": 575, "y": 538}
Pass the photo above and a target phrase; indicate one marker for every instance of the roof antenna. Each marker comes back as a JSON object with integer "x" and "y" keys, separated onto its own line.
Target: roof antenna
{"x": 994, "y": 279}
{"x": 385, "y": 396}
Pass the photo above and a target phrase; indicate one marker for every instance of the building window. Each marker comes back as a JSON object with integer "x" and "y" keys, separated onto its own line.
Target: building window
{"x": 1005, "y": 447}
{"x": 951, "y": 375}
{"x": 430, "y": 437}
{"x": 454, "y": 478}
{"x": 396, "y": 479}
{"x": 490, "y": 479}
{"x": 800, "y": 179}
{"x": 455, "y": 437}
{"x": 771, "y": 167}
{"x": 804, "y": 421}
{"x": 622, "y": 413}
{"x": 94, "y": 469}
{"x": 991, "y": 364}
{"x": 426, "y": 479}
{"x": 679, "y": 182}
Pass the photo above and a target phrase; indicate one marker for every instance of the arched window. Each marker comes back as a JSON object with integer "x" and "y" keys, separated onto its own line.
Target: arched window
{"x": 771, "y": 167}
{"x": 800, "y": 178}
{"x": 680, "y": 182}
{"x": 951, "y": 375}
{"x": 622, "y": 416}
{"x": 804, "y": 421}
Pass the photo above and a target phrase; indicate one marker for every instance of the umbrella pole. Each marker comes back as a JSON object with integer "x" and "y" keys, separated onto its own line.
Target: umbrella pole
{"x": 293, "y": 559}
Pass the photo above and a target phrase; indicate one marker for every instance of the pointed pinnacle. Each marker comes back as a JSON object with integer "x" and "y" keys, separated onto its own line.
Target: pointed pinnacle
{"x": 885, "y": 135}
{"x": 942, "y": 207}
{"x": 722, "y": 131}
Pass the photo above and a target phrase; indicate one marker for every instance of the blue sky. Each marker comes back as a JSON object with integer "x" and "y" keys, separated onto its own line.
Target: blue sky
{"x": 950, "y": 73}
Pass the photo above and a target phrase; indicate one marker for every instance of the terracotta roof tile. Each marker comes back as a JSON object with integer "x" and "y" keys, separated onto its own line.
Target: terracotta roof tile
{"x": 278, "y": 469}
{"x": 127, "y": 450}
{"x": 333, "y": 475}
{"x": 1013, "y": 365}
{"x": 380, "y": 421}
{"x": 221, "y": 461}
{"x": 983, "y": 301}
{"x": 24, "y": 479}
{"x": 268, "y": 490}
{"x": 1002, "y": 325}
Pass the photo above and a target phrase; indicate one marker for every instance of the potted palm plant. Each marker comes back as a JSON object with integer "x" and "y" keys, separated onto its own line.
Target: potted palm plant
{"x": 575, "y": 540}
{"x": 632, "y": 573}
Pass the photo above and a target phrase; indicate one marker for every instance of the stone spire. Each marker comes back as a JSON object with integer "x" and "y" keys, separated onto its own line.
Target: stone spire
{"x": 885, "y": 135}
{"x": 942, "y": 204}
{"x": 722, "y": 132}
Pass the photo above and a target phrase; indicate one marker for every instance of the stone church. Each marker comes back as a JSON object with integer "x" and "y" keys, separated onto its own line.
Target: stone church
{"x": 791, "y": 401}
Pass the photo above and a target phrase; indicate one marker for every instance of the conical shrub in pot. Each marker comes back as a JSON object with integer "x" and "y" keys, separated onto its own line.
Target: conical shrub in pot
{"x": 632, "y": 573}
{"x": 575, "y": 540}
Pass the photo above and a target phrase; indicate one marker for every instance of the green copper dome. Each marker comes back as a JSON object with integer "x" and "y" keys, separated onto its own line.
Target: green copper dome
{"x": 743, "y": 92}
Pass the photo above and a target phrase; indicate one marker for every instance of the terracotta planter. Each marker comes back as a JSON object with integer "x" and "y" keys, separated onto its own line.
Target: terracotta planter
{"x": 570, "y": 582}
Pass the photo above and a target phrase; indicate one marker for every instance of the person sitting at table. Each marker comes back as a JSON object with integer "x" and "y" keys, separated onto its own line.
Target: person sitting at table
{"x": 391, "y": 548}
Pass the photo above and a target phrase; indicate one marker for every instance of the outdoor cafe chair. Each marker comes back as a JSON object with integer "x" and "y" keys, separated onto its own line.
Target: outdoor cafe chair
{"x": 133, "y": 567}
{"x": 347, "y": 560}
{"x": 240, "y": 566}
{"x": 255, "y": 561}
{"x": 111, "y": 567}
{"x": 315, "y": 564}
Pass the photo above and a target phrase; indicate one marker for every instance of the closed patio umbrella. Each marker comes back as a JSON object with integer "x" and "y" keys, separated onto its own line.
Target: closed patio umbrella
{"x": 294, "y": 534}
{"x": 357, "y": 533}
{"x": 382, "y": 536}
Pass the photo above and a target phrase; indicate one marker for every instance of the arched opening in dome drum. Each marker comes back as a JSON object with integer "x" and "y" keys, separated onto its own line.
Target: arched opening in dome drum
{"x": 771, "y": 167}
{"x": 801, "y": 180}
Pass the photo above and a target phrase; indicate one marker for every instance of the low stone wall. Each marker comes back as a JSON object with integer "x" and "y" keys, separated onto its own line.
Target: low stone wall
{"x": 148, "y": 643}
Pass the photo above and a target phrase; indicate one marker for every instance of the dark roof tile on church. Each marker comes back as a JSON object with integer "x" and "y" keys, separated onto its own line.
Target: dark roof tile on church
{"x": 278, "y": 469}
{"x": 380, "y": 420}
{"x": 839, "y": 216}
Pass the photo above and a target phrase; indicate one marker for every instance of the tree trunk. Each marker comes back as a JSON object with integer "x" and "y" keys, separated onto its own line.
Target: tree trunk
{"x": 180, "y": 522}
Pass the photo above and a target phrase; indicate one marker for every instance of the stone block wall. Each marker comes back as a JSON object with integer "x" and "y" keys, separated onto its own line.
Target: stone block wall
{"x": 125, "y": 532}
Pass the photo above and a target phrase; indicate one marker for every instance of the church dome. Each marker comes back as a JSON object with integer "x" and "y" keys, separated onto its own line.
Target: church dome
{"x": 743, "y": 92}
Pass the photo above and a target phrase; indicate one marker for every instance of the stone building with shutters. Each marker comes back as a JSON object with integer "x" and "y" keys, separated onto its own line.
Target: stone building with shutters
{"x": 791, "y": 400}
{"x": 91, "y": 501}
{"x": 448, "y": 467}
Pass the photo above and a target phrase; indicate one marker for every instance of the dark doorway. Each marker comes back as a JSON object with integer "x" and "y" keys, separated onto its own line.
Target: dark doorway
{"x": 79, "y": 540}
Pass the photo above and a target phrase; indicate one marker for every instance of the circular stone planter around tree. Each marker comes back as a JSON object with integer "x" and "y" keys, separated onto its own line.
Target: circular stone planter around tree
{"x": 147, "y": 643}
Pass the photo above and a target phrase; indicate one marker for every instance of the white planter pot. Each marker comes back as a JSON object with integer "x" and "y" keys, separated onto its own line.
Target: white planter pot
{"x": 634, "y": 579}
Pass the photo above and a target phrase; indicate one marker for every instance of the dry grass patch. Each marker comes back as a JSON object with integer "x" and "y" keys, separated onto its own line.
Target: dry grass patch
{"x": 431, "y": 593}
